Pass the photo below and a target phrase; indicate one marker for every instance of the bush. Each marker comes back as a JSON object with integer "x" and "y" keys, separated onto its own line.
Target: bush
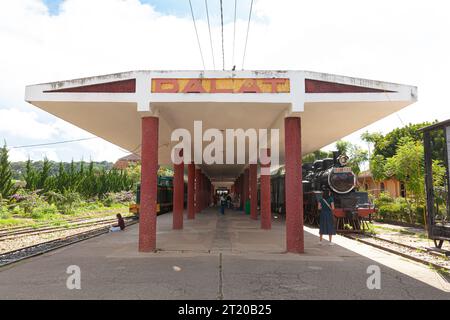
{"x": 45, "y": 211}
{"x": 91, "y": 205}
{"x": 384, "y": 198}
{"x": 27, "y": 201}
{"x": 4, "y": 212}
{"x": 69, "y": 202}
{"x": 399, "y": 209}
{"x": 109, "y": 199}
{"x": 123, "y": 197}
{"x": 396, "y": 210}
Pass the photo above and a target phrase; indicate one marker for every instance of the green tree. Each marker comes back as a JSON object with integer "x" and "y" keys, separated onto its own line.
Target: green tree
{"x": 377, "y": 167}
{"x": 7, "y": 187}
{"x": 44, "y": 175}
{"x": 407, "y": 165}
{"x": 387, "y": 145}
{"x": 316, "y": 155}
{"x": 371, "y": 137}
{"x": 343, "y": 146}
{"x": 357, "y": 156}
{"x": 30, "y": 176}
{"x": 134, "y": 172}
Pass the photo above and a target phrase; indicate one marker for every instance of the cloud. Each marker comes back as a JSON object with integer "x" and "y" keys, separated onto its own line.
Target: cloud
{"x": 24, "y": 124}
{"x": 397, "y": 41}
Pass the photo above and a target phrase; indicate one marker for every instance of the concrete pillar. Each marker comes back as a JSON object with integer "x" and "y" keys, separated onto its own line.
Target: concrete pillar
{"x": 178, "y": 194}
{"x": 241, "y": 183}
{"x": 191, "y": 191}
{"x": 205, "y": 186}
{"x": 209, "y": 193}
{"x": 197, "y": 190}
{"x": 293, "y": 185}
{"x": 202, "y": 191}
{"x": 246, "y": 186}
{"x": 266, "y": 212}
{"x": 253, "y": 183}
{"x": 149, "y": 181}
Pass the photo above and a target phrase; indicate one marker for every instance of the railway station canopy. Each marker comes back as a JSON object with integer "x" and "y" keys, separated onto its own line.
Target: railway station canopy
{"x": 111, "y": 106}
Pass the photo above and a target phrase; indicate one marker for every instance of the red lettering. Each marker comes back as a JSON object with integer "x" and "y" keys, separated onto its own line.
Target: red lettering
{"x": 215, "y": 90}
{"x": 159, "y": 83}
{"x": 194, "y": 86}
{"x": 249, "y": 86}
{"x": 274, "y": 82}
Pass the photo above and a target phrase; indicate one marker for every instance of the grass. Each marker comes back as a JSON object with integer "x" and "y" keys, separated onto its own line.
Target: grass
{"x": 37, "y": 219}
{"x": 11, "y": 222}
{"x": 371, "y": 229}
{"x": 401, "y": 231}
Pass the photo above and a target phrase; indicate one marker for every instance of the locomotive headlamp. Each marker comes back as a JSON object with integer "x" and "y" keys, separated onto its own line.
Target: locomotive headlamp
{"x": 343, "y": 159}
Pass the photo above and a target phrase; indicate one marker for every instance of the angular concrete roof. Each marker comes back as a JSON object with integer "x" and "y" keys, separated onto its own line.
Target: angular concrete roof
{"x": 111, "y": 106}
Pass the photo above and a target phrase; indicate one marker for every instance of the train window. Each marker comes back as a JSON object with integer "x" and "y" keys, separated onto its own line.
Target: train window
{"x": 382, "y": 188}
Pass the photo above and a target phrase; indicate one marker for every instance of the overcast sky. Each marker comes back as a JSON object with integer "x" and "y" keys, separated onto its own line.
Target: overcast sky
{"x": 398, "y": 41}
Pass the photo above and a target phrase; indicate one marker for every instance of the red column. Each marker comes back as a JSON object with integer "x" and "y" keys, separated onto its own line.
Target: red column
{"x": 253, "y": 172}
{"x": 241, "y": 190}
{"x": 149, "y": 172}
{"x": 293, "y": 185}
{"x": 208, "y": 194}
{"x": 197, "y": 190}
{"x": 266, "y": 212}
{"x": 191, "y": 192}
{"x": 178, "y": 194}
{"x": 202, "y": 191}
{"x": 246, "y": 184}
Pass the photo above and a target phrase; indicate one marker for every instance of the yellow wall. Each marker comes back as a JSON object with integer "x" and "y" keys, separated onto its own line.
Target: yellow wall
{"x": 392, "y": 186}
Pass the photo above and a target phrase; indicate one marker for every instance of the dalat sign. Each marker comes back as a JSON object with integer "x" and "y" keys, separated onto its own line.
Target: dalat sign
{"x": 204, "y": 85}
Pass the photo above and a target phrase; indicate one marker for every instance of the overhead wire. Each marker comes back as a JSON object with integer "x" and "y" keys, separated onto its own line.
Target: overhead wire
{"x": 196, "y": 33}
{"x": 234, "y": 32}
{"x": 52, "y": 143}
{"x": 223, "y": 44}
{"x": 246, "y": 38}
{"x": 210, "y": 37}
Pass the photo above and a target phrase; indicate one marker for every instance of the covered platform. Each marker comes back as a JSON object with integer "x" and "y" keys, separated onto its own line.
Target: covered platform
{"x": 141, "y": 111}
{"x": 219, "y": 257}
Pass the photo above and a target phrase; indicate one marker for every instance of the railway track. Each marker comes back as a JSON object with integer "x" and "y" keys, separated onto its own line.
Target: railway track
{"x": 38, "y": 226}
{"x": 44, "y": 247}
{"x": 421, "y": 255}
{"x": 49, "y": 228}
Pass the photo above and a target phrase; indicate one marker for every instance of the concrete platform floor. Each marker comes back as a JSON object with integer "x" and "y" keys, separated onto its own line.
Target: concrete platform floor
{"x": 219, "y": 257}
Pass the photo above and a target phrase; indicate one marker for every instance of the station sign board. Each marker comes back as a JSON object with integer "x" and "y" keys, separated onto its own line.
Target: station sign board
{"x": 342, "y": 170}
{"x": 221, "y": 85}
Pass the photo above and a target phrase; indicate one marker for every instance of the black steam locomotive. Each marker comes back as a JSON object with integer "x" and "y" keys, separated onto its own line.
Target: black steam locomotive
{"x": 352, "y": 208}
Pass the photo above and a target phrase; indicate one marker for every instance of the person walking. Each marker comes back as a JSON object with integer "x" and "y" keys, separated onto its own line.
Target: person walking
{"x": 326, "y": 206}
{"x": 223, "y": 203}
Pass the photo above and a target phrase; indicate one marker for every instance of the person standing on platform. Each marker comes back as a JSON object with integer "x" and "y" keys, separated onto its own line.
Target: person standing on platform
{"x": 223, "y": 203}
{"x": 326, "y": 207}
{"x": 228, "y": 201}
